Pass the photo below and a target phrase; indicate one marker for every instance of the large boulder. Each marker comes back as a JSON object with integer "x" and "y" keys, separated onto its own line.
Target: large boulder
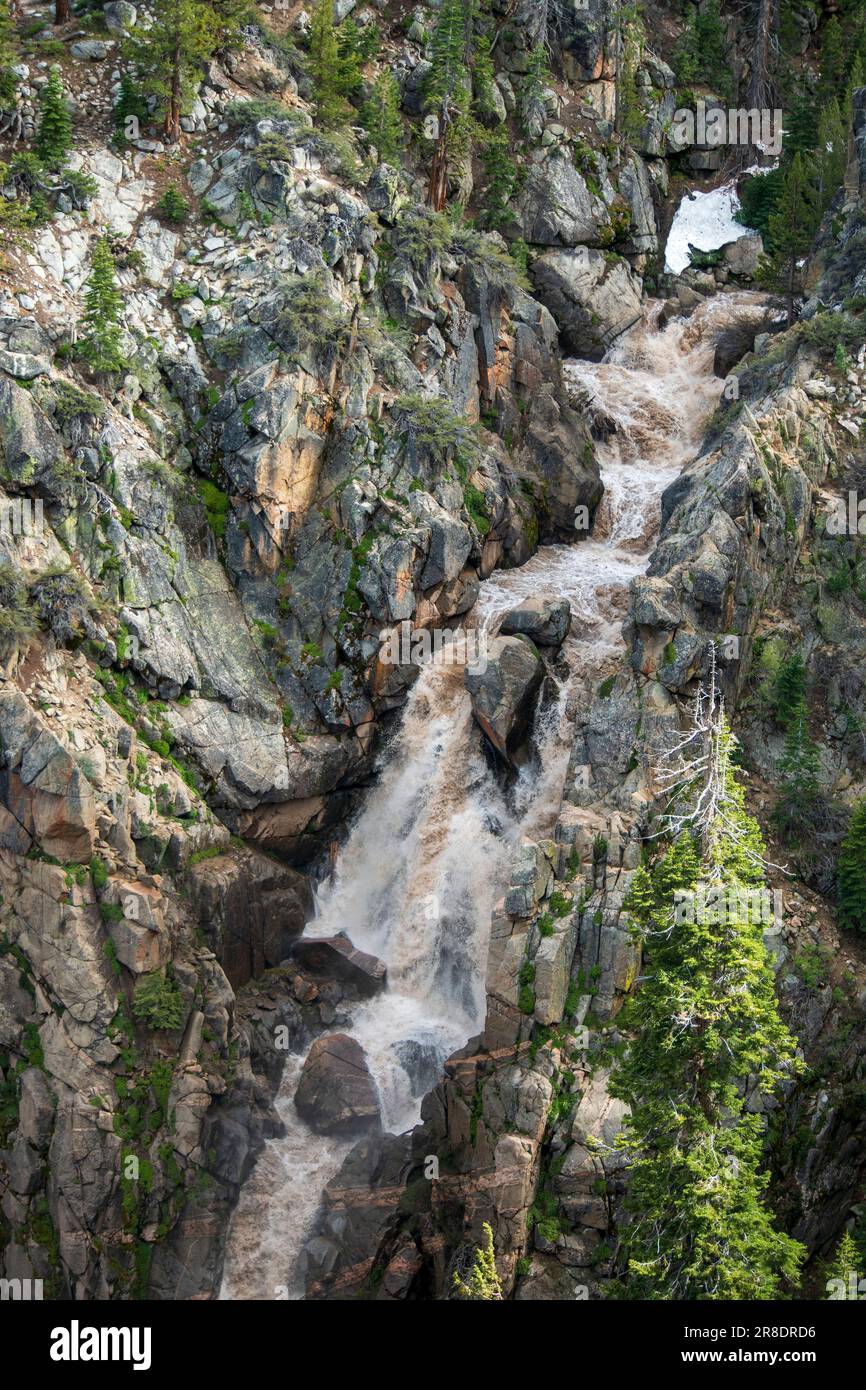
{"x": 742, "y": 256}
{"x": 592, "y": 297}
{"x": 120, "y": 17}
{"x": 337, "y": 959}
{"x": 503, "y": 691}
{"x": 556, "y": 208}
{"x": 336, "y": 1093}
{"x": 545, "y": 621}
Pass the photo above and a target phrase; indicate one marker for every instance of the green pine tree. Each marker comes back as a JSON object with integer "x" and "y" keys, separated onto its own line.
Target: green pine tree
{"x": 704, "y": 1018}
{"x": 335, "y": 67}
{"x": 130, "y": 102}
{"x": 846, "y": 1262}
{"x": 801, "y": 124}
{"x": 356, "y": 47}
{"x": 642, "y": 894}
{"x": 832, "y": 152}
{"x": 500, "y": 181}
{"x": 173, "y": 206}
{"x": 380, "y": 117}
{"x": 483, "y": 1283}
{"x": 171, "y": 54}
{"x": 790, "y": 690}
{"x": 800, "y": 780}
{"x": 54, "y": 133}
{"x": 483, "y": 80}
{"x": 537, "y": 77}
{"x": 229, "y": 18}
{"x": 856, "y": 78}
{"x": 833, "y": 63}
{"x": 792, "y": 226}
{"x": 760, "y": 197}
{"x": 8, "y": 56}
{"x": 99, "y": 343}
{"x": 852, "y": 872}
{"x": 447, "y": 93}
{"x": 700, "y": 53}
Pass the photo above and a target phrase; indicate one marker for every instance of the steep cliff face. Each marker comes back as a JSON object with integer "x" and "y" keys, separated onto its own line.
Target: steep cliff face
{"x": 340, "y": 412}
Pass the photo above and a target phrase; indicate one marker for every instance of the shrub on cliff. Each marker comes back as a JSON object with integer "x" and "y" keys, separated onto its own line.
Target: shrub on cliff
{"x": 17, "y": 623}
{"x": 158, "y": 1002}
{"x": 483, "y": 1283}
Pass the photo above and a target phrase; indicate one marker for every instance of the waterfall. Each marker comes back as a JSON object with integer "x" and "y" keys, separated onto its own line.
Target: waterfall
{"x": 428, "y": 856}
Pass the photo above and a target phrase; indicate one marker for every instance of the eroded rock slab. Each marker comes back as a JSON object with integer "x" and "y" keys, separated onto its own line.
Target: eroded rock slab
{"x": 336, "y": 1093}
{"x": 545, "y": 621}
{"x": 336, "y": 958}
{"x": 503, "y": 691}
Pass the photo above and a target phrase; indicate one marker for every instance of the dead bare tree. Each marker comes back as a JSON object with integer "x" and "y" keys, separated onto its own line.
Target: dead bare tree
{"x": 762, "y": 18}
{"x": 695, "y": 776}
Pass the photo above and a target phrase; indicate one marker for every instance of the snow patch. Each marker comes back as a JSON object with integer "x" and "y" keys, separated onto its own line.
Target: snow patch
{"x": 704, "y": 220}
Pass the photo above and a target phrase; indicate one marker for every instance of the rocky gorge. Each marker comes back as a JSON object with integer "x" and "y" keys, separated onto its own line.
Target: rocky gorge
{"x": 313, "y": 963}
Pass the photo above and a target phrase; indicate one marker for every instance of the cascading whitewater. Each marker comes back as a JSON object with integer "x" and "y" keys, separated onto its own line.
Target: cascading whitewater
{"x": 428, "y": 856}
{"x": 415, "y": 886}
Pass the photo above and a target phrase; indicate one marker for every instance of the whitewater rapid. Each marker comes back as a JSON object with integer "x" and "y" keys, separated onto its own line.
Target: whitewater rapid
{"x": 428, "y": 856}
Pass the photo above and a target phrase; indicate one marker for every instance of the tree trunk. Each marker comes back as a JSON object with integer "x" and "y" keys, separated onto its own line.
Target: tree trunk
{"x": 792, "y": 268}
{"x": 173, "y": 110}
{"x": 61, "y": 11}
{"x": 766, "y": 24}
{"x": 437, "y": 189}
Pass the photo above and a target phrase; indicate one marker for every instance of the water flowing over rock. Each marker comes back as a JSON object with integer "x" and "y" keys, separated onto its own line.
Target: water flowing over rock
{"x": 345, "y": 628}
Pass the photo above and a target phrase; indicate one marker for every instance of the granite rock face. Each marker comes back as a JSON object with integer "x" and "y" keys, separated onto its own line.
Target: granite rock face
{"x": 341, "y": 413}
{"x": 503, "y": 689}
{"x": 592, "y": 301}
{"x": 336, "y": 1093}
{"x": 546, "y": 622}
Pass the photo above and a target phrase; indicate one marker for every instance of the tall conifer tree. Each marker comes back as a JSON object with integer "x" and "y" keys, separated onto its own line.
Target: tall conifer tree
{"x": 54, "y": 134}
{"x": 447, "y": 92}
{"x": 852, "y": 872}
{"x": 100, "y": 324}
